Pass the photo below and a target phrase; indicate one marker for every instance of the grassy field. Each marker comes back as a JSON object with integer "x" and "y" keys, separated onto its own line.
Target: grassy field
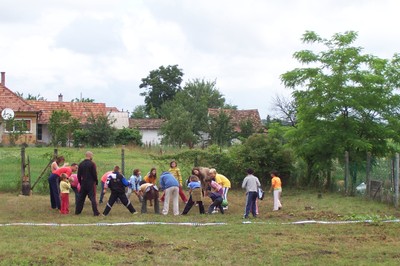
{"x": 33, "y": 234}
{"x": 105, "y": 158}
{"x": 268, "y": 240}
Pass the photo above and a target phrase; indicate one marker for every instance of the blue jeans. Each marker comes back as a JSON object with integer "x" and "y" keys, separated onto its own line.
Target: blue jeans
{"x": 251, "y": 203}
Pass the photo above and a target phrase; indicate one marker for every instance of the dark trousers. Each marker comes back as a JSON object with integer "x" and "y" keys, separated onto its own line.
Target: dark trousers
{"x": 150, "y": 196}
{"x": 75, "y": 189}
{"x": 190, "y": 204}
{"x": 54, "y": 186}
{"x": 113, "y": 198}
{"x": 102, "y": 192}
{"x": 87, "y": 190}
{"x": 251, "y": 198}
{"x": 216, "y": 204}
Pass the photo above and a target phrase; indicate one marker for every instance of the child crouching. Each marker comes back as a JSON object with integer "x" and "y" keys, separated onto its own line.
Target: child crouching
{"x": 196, "y": 195}
{"x": 216, "y": 202}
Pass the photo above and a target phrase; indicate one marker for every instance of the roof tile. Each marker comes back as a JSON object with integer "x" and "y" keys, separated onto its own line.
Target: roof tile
{"x": 9, "y": 99}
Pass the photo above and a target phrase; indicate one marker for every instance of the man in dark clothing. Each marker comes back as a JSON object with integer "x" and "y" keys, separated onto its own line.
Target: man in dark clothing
{"x": 117, "y": 183}
{"x": 87, "y": 178}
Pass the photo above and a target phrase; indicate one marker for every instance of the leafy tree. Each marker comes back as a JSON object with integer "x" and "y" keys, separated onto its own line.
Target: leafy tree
{"x": 140, "y": 113}
{"x": 81, "y": 137}
{"x": 193, "y": 101}
{"x": 83, "y": 100}
{"x": 100, "y": 131}
{"x": 221, "y": 129}
{"x": 127, "y": 136}
{"x": 30, "y": 96}
{"x": 73, "y": 125}
{"x": 15, "y": 128}
{"x": 246, "y": 128}
{"x": 161, "y": 85}
{"x": 264, "y": 153}
{"x": 345, "y": 101}
{"x": 179, "y": 127}
{"x": 61, "y": 126}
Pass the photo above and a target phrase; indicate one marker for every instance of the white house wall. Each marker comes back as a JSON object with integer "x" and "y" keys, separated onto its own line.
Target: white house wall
{"x": 150, "y": 137}
{"x": 121, "y": 119}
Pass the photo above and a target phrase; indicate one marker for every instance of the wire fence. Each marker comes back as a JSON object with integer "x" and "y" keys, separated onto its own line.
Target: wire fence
{"x": 377, "y": 178}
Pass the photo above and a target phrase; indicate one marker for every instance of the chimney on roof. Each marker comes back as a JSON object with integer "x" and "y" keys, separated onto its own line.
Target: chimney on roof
{"x": 3, "y": 78}
{"x": 60, "y": 97}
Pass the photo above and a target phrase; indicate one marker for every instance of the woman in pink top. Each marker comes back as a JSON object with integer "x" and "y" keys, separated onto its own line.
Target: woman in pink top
{"x": 58, "y": 162}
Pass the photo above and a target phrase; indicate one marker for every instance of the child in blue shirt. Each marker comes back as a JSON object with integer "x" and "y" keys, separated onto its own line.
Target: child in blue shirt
{"x": 134, "y": 184}
{"x": 196, "y": 195}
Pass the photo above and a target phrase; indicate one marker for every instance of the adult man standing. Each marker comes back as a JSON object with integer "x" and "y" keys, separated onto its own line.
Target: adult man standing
{"x": 87, "y": 177}
{"x": 170, "y": 186}
{"x": 251, "y": 184}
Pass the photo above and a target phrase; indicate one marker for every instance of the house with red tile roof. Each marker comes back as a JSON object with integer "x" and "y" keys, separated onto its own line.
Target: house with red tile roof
{"x": 79, "y": 110}
{"x": 239, "y": 116}
{"x": 36, "y": 114}
{"x": 23, "y": 112}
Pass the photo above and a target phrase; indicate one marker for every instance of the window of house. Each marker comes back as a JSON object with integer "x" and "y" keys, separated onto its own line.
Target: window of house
{"x": 19, "y": 125}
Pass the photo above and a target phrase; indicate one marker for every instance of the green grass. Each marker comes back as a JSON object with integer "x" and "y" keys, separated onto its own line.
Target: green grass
{"x": 105, "y": 158}
{"x": 268, "y": 240}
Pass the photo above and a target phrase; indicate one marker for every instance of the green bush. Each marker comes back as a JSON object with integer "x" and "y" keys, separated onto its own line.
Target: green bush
{"x": 127, "y": 136}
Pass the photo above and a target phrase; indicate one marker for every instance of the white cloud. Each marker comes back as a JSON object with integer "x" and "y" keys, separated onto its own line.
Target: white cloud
{"x": 103, "y": 48}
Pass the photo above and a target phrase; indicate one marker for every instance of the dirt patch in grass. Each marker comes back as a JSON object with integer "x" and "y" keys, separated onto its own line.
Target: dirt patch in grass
{"x": 121, "y": 244}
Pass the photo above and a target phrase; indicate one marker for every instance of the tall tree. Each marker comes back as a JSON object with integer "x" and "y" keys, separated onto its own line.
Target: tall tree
{"x": 221, "y": 129}
{"x": 61, "y": 127}
{"x": 161, "y": 85}
{"x": 83, "y": 100}
{"x": 194, "y": 100}
{"x": 100, "y": 131}
{"x": 345, "y": 102}
{"x": 178, "y": 130}
{"x": 30, "y": 96}
{"x": 140, "y": 113}
{"x": 286, "y": 109}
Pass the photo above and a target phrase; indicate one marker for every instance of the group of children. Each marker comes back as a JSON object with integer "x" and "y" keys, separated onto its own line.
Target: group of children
{"x": 203, "y": 182}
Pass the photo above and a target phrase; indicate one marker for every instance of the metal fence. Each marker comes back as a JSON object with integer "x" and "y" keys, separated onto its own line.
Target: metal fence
{"x": 377, "y": 179}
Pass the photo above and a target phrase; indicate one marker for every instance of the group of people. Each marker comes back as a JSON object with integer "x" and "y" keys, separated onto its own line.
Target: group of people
{"x": 203, "y": 182}
{"x": 84, "y": 183}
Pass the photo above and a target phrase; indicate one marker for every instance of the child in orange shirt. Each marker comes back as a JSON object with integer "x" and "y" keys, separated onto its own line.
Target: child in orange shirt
{"x": 276, "y": 185}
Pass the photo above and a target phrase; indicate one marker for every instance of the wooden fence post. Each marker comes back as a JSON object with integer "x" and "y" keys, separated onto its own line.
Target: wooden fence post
{"x": 123, "y": 159}
{"x": 368, "y": 175}
{"x": 26, "y": 185}
{"x": 346, "y": 172}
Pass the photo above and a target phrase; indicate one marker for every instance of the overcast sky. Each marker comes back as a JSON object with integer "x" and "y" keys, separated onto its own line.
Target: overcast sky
{"x": 103, "y": 48}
